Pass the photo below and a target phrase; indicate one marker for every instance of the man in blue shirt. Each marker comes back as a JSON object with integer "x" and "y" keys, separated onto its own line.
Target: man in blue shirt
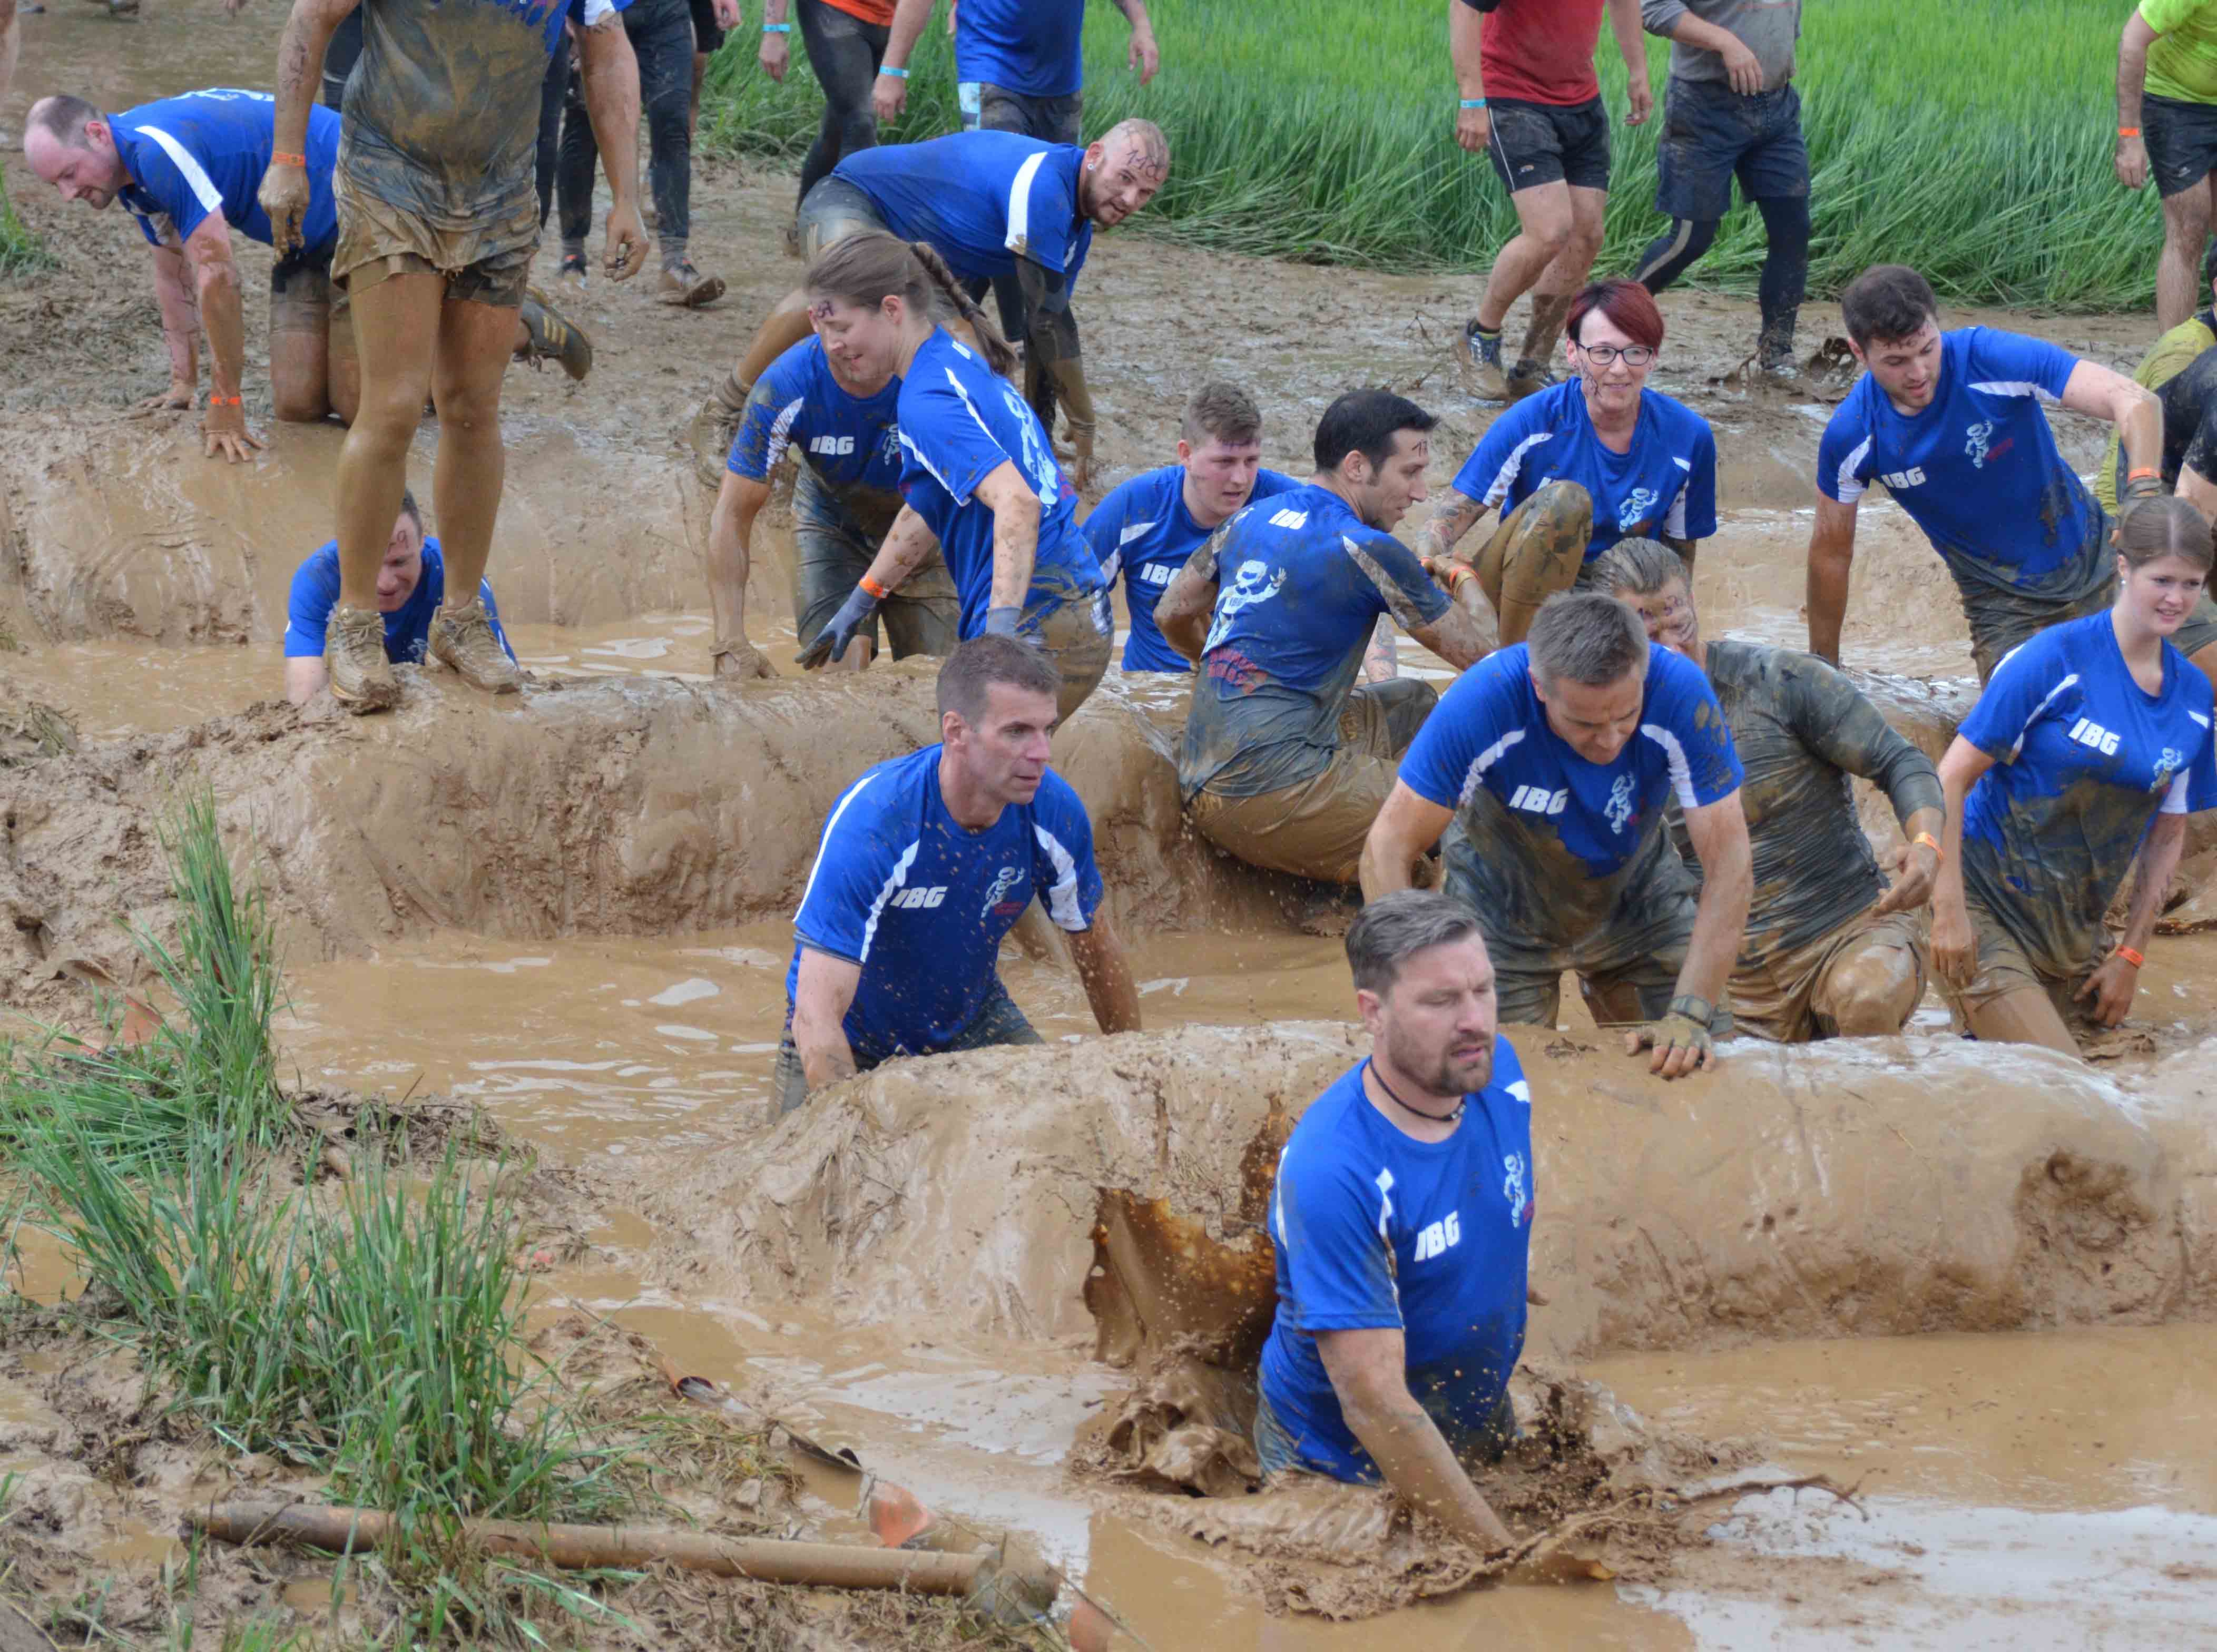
{"x": 1952, "y": 423}
{"x": 1019, "y": 65}
{"x": 1286, "y": 758}
{"x": 926, "y": 862}
{"x": 1402, "y": 1218}
{"x": 1553, "y": 760}
{"x": 411, "y": 582}
{"x": 1146, "y": 528}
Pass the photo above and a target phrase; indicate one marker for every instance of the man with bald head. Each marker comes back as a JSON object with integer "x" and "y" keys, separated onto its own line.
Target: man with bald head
{"x": 992, "y": 203}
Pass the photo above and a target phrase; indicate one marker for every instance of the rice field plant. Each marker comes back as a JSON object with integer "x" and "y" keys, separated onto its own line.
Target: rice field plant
{"x": 1972, "y": 140}
{"x": 22, "y": 252}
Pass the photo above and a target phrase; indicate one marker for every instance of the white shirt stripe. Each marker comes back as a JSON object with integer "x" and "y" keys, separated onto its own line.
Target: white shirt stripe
{"x": 210, "y": 197}
{"x": 1062, "y": 899}
{"x": 2015, "y": 387}
{"x": 1846, "y": 483}
{"x": 830, "y": 827}
{"x": 1682, "y": 771}
{"x": 1020, "y": 206}
{"x": 2174, "y": 800}
{"x": 781, "y": 432}
{"x": 1505, "y": 478}
{"x": 1131, "y": 531}
{"x": 894, "y": 879}
{"x": 2017, "y": 746}
{"x": 1485, "y": 761}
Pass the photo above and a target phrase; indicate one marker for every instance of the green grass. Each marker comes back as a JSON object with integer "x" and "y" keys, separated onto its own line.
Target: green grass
{"x": 1972, "y": 140}
{"x": 21, "y": 253}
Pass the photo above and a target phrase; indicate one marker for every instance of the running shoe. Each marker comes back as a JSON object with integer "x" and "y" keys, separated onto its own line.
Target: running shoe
{"x": 463, "y": 638}
{"x": 686, "y": 288}
{"x": 353, "y": 654}
{"x": 553, "y": 336}
{"x": 1528, "y": 378}
{"x": 1478, "y": 354}
{"x": 572, "y": 276}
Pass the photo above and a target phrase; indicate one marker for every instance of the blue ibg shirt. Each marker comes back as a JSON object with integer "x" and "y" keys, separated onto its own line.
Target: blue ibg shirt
{"x": 1142, "y": 531}
{"x": 922, "y": 902}
{"x": 1031, "y": 46}
{"x": 2084, "y": 759}
{"x": 407, "y": 629}
{"x": 982, "y": 199}
{"x": 1377, "y": 1231}
{"x": 204, "y": 153}
{"x": 961, "y": 421}
{"x": 848, "y": 447}
{"x": 1664, "y": 485}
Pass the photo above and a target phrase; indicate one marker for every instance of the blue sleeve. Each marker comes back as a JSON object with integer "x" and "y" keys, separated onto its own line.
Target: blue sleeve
{"x": 159, "y": 177}
{"x": 1843, "y": 468}
{"x": 1050, "y": 215}
{"x": 1705, "y": 766}
{"x": 1700, "y": 498}
{"x": 1467, "y": 721}
{"x": 2011, "y": 358}
{"x": 1398, "y": 573}
{"x": 763, "y": 429}
{"x": 1326, "y": 1216}
{"x": 308, "y": 608}
{"x": 951, "y": 438}
{"x": 1104, "y": 524}
{"x": 853, "y": 862}
{"x": 492, "y": 615}
{"x": 2022, "y": 684}
{"x": 1269, "y": 483}
{"x": 1062, "y": 871}
{"x": 1484, "y": 476}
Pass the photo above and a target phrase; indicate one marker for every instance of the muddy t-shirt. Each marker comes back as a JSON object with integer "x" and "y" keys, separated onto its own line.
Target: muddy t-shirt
{"x": 1144, "y": 533}
{"x": 983, "y": 199}
{"x": 960, "y": 422}
{"x": 1802, "y": 729}
{"x": 1376, "y": 1230}
{"x": 1550, "y": 844}
{"x": 1663, "y": 486}
{"x": 849, "y": 445}
{"x": 1031, "y": 47}
{"x": 2084, "y": 760}
{"x": 202, "y": 155}
{"x": 2188, "y": 407}
{"x": 921, "y": 903}
{"x": 1301, "y": 581}
{"x": 407, "y": 629}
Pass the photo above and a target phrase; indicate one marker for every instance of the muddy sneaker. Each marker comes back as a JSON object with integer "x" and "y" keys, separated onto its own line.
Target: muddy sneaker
{"x": 463, "y": 637}
{"x": 354, "y": 654}
{"x": 553, "y": 336}
{"x": 1528, "y": 377}
{"x": 715, "y": 428}
{"x": 688, "y": 288}
{"x": 1478, "y": 354}
{"x": 571, "y": 278}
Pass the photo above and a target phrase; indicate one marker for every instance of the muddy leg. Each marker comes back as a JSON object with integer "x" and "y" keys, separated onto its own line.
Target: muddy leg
{"x": 475, "y": 342}
{"x": 299, "y": 348}
{"x": 395, "y": 325}
{"x": 2026, "y": 1015}
{"x": 343, "y": 368}
{"x": 1870, "y": 990}
{"x": 1537, "y": 551}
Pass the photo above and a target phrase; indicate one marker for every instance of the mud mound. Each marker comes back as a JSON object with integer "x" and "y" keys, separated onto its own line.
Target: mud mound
{"x": 1850, "y": 1189}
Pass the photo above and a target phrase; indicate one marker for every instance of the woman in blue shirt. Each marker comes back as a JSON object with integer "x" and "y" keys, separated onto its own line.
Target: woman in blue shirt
{"x": 2091, "y": 743}
{"x": 1573, "y": 470}
{"x": 978, "y": 472}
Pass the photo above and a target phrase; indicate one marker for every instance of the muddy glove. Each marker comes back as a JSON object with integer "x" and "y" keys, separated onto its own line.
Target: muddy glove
{"x": 1079, "y": 422}
{"x": 1680, "y": 1039}
{"x": 2140, "y": 485}
{"x": 840, "y": 630}
{"x": 1002, "y": 622}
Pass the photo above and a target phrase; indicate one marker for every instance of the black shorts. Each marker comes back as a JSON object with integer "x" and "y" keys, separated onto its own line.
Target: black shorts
{"x": 707, "y": 37}
{"x": 2180, "y": 139}
{"x": 303, "y": 262}
{"x": 1535, "y": 144}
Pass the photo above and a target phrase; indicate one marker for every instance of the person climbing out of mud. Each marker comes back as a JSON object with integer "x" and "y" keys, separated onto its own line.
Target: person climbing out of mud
{"x": 990, "y": 204}
{"x": 925, "y": 864}
{"x": 1578, "y": 467}
{"x": 1287, "y": 759}
{"x": 1830, "y": 949}
{"x": 1553, "y": 760}
{"x": 186, "y": 168}
{"x": 845, "y": 445}
{"x": 1401, "y": 1217}
{"x": 1146, "y": 529}
{"x": 1951, "y": 423}
{"x": 2089, "y": 746}
{"x": 438, "y": 223}
{"x": 977, "y": 470}
{"x": 410, "y": 582}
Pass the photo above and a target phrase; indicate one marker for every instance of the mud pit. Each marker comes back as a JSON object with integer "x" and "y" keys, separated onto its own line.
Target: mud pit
{"x": 574, "y": 911}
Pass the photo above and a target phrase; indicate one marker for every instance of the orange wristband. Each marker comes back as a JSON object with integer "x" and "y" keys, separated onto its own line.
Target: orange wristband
{"x": 2131, "y": 957}
{"x": 223, "y": 401}
{"x": 278, "y": 158}
{"x": 2147, "y": 470}
{"x": 873, "y": 590}
{"x": 1931, "y": 844}
{"x": 2128, "y": 131}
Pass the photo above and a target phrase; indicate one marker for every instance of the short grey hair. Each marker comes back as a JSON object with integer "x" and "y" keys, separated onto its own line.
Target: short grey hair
{"x": 1587, "y": 637}
{"x": 975, "y": 666}
{"x": 1639, "y": 565}
{"x": 1395, "y": 927}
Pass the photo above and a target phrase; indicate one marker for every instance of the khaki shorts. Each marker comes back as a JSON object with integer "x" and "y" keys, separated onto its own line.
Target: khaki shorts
{"x": 1539, "y": 549}
{"x": 1316, "y": 828}
{"x": 485, "y": 264}
{"x": 2005, "y": 969}
{"x": 1074, "y": 637}
{"x": 1788, "y": 997}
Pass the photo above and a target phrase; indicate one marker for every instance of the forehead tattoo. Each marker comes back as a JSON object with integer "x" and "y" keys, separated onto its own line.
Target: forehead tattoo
{"x": 820, "y": 310}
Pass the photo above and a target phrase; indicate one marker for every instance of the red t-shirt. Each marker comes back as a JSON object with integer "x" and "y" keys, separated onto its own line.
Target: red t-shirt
{"x": 1541, "y": 51}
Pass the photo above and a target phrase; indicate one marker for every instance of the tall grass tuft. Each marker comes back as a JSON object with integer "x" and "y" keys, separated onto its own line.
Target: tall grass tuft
{"x": 1972, "y": 140}
{"x": 22, "y": 252}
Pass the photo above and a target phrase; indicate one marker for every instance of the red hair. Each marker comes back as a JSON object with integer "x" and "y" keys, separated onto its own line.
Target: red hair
{"x": 1629, "y": 307}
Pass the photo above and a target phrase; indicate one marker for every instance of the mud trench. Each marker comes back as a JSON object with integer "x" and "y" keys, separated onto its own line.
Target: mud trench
{"x": 1976, "y": 1285}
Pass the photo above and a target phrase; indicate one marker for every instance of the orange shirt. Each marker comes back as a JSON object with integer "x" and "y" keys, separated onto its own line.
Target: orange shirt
{"x": 880, "y": 12}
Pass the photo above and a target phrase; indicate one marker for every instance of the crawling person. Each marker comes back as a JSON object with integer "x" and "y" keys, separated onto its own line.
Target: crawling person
{"x": 2091, "y": 744}
{"x": 1829, "y": 950}
{"x": 926, "y": 862}
{"x": 2181, "y": 368}
{"x": 1401, "y": 1217}
{"x": 410, "y": 582}
{"x": 1287, "y": 759}
{"x": 1553, "y": 760}
{"x": 841, "y": 434}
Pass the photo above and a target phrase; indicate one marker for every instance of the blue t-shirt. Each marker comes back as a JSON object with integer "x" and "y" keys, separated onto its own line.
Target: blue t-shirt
{"x": 205, "y": 152}
{"x": 848, "y": 445}
{"x": 2084, "y": 759}
{"x": 1376, "y": 1230}
{"x": 1031, "y": 46}
{"x": 1665, "y": 484}
{"x": 922, "y": 902}
{"x": 1300, "y": 581}
{"x": 407, "y": 628}
{"x": 1978, "y": 469}
{"x": 1548, "y": 840}
{"x": 982, "y": 199}
{"x": 961, "y": 421}
{"x": 1144, "y": 532}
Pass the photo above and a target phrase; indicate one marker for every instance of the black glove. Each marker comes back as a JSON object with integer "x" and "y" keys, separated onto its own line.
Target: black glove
{"x": 839, "y": 630}
{"x": 2140, "y": 488}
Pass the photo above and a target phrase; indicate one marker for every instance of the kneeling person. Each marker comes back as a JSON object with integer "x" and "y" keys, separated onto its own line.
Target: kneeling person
{"x": 1555, "y": 759}
{"x": 410, "y": 582}
{"x": 926, "y": 863}
{"x": 1403, "y": 1222}
{"x": 1829, "y": 950}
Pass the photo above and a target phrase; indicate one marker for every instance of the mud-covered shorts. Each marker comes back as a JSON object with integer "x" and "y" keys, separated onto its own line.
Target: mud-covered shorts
{"x": 1788, "y": 997}
{"x": 2004, "y": 968}
{"x": 487, "y": 263}
{"x": 1000, "y": 1021}
{"x": 831, "y": 554}
{"x": 1316, "y": 828}
{"x": 996, "y": 108}
{"x": 1075, "y": 629}
{"x": 1992, "y": 640}
{"x": 1535, "y": 144}
{"x": 833, "y": 210}
{"x": 2182, "y": 141}
{"x": 304, "y": 275}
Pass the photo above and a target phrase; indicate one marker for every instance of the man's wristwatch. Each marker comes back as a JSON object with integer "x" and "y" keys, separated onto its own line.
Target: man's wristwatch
{"x": 1695, "y": 1008}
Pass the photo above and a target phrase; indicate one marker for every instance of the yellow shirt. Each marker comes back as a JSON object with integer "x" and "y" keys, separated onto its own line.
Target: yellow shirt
{"x": 2183, "y": 62}
{"x": 2173, "y": 355}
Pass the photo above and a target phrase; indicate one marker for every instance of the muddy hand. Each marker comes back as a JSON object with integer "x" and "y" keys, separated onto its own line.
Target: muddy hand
{"x": 624, "y": 243}
{"x": 179, "y": 396}
{"x": 1680, "y": 1043}
{"x": 742, "y": 662}
{"x": 2111, "y": 988}
{"x": 839, "y": 630}
{"x": 284, "y": 196}
{"x": 223, "y": 430}
{"x": 1954, "y": 948}
{"x": 1914, "y": 867}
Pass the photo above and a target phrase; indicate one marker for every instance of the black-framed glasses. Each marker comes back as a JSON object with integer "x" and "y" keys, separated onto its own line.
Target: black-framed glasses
{"x": 1635, "y": 355}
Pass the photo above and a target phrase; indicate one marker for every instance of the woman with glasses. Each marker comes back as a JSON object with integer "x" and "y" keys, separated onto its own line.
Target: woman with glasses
{"x": 1580, "y": 466}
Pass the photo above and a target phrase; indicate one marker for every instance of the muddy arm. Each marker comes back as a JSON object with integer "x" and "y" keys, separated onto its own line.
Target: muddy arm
{"x": 2104, "y": 393}
{"x": 1106, "y": 975}
{"x": 1685, "y": 548}
{"x": 1368, "y": 1372}
{"x": 303, "y": 679}
{"x": 1407, "y": 828}
{"x": 909, "y": 544}
{"x": 1015, "y": 510}
{"x": 1831, "y": 551}
{"x": 1955, "y": 949}
{"x": 2114, "y": 981}
{"x": 216, "y": 290}
{"x": 180, "y": 323}
{"x": 821, "y": 996}
{"x": 1720, "y": 832}
{"x": 285, "y": 193}
{"x": 1181, "y": 615}
{"x": 1454, "y": 518}
{"x": 1457, "y": 637}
